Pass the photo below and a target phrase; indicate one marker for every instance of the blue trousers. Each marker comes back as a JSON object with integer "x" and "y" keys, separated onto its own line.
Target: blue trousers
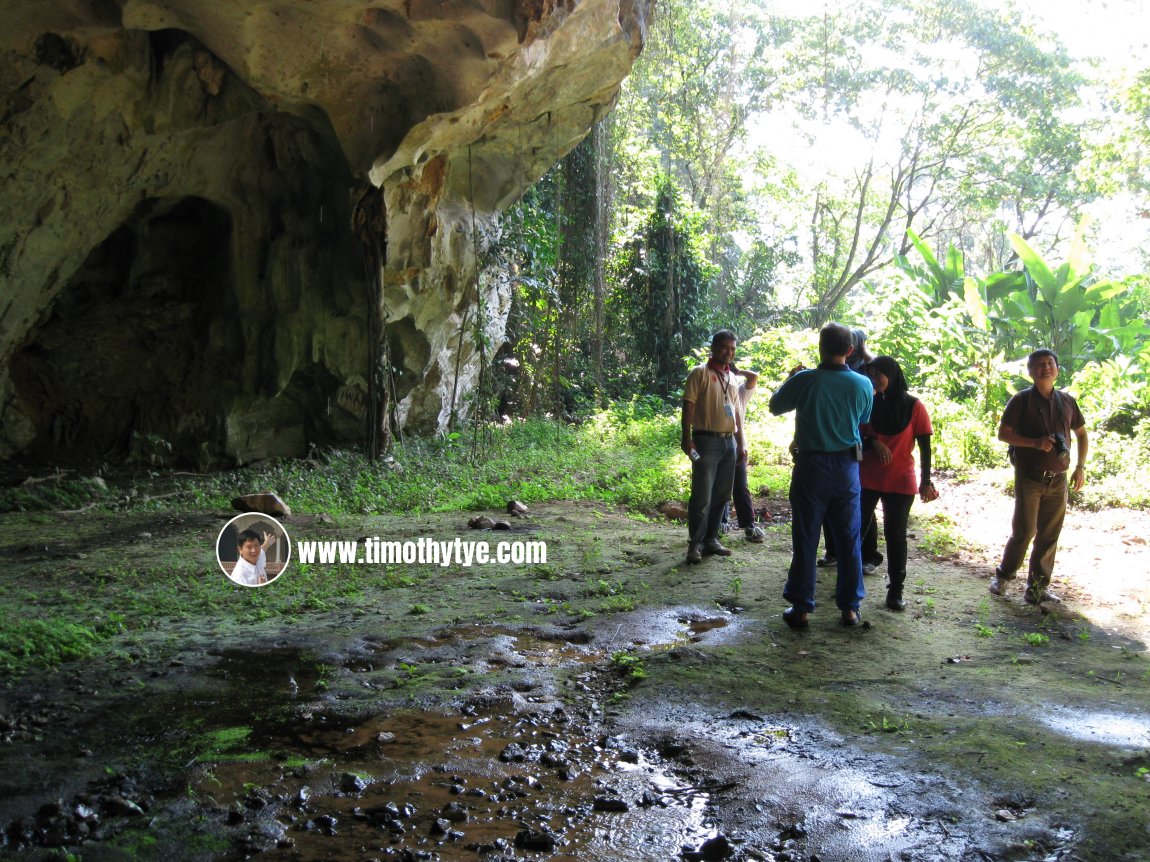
{"x": 825, "y": 488}
{"x": 711, "y": 479}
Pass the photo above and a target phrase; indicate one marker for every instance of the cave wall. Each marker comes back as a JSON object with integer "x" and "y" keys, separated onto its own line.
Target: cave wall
{"x": 179, "y": 277}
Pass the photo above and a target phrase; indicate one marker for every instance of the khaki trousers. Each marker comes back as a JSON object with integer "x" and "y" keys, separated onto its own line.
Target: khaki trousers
{"x": 1039, "y": 510}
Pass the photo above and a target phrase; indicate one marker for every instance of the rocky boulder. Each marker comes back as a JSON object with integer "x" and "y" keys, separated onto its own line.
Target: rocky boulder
{"x": 224, "y": 224}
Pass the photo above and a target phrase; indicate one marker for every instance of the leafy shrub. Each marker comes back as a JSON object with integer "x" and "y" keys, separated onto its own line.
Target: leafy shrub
{"x": 1118, "y": 470}
{"x": 963, "y": 439}
{"x": 774, "y": 352}
{"x": 1115, "y": 394}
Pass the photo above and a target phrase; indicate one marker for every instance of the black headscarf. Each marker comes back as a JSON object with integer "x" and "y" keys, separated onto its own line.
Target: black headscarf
{"x": 892, "y": 408}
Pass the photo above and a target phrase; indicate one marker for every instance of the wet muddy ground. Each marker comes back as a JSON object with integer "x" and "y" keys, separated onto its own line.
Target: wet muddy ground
{"x": 610, "y": 704}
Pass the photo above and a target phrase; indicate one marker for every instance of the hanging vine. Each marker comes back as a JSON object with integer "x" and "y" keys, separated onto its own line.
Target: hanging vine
{"x": 369, "y": 222}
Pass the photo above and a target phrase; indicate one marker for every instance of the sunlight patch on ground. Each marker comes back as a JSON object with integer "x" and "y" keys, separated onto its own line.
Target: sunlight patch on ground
{"x": 1107, "y": 728}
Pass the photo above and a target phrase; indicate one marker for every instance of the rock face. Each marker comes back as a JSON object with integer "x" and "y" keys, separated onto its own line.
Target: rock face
{"x": 212, "y": 211}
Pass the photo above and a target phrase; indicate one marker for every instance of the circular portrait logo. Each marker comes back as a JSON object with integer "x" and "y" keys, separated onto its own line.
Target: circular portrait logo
{"x": 253, "y": 549}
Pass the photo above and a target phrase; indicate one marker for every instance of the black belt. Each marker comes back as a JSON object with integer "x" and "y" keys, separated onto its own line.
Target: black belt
{"x": 698, "y": 432}
{"x": 1041, "y": 475}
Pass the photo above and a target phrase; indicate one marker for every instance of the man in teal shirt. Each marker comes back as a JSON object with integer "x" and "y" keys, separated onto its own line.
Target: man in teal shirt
{"x": 829, "y": 403}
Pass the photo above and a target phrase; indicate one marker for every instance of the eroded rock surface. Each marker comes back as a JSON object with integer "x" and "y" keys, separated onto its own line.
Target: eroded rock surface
{"x": 180, "y": 277}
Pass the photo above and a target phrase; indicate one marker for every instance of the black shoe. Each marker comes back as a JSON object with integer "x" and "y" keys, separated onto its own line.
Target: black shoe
{"x": 895, "y": 602}
{"x": 852, "y": 619}
{"x": 795, "y": 619}
{"x": 825, "y": 562}
{"x": 716, "y": 548}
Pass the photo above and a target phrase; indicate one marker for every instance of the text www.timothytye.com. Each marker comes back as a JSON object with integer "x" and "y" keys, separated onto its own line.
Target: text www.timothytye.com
{"x": 423, "y": 551}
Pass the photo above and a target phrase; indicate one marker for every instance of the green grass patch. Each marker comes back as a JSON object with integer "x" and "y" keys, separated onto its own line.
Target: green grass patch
{"x": 621, "y": 456}
{"x": 46, "y": 642}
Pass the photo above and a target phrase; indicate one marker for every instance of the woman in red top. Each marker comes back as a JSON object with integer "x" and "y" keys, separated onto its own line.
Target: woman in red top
{"x": 887, "y": 472}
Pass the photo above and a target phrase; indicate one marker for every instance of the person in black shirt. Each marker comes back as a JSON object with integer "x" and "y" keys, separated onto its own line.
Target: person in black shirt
{"x": 1038, "y": 424}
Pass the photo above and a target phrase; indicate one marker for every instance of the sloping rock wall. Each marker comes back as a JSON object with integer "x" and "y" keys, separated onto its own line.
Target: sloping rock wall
{"x": 179, "y": 274}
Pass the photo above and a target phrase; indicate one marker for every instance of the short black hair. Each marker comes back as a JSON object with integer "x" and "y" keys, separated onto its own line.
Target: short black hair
{"x": 245, "y": 536}
{"x": 1039, "y": 354}
{"x": 721, "y": 336}
{"x": 835, "y": 340}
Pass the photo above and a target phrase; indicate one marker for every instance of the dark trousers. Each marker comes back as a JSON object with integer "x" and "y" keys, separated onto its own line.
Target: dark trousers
{"x": 711, "y": 478}
{"x": 895, "y": 515}
{"x": 1039, "y": 510}
{"x": 744, "y": 505}
{"x": 870, "y": 552}
{"x": 824, "y": 488}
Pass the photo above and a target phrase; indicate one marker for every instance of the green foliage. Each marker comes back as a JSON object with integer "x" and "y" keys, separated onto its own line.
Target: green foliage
{"x": 1115, "y": 393}
{"x": 55, "y": 494}
{"x": 1118, "y": 473}
{"x": 952, "y": 333}
{"x": 1063, "y": 305}
{"x": 883, "y": 724}
{"x": 964, "y": 437}
{"x": 629, "y": 666}
{"x": 772, "y": 352}
{"x": 664, "y": 289}
{"x": 46, "y": 642}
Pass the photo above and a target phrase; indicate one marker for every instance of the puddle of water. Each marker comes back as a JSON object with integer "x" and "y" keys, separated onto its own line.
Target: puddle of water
{"x": 447, "y": 784}
{"x": 1109, "y": 728}
{"x": 541, "y": 650}
{"x": 266, "y": 673}
{"x": 698, "y": 628}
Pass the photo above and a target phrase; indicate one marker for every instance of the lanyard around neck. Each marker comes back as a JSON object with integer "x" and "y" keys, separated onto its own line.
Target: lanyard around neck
{"x": 724, "y": 383}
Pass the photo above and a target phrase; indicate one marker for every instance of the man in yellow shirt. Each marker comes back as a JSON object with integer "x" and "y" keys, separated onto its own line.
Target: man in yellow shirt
{"x": 712, "y": 437}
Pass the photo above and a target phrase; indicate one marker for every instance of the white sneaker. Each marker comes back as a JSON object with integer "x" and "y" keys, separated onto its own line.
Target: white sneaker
{"x": 997, "y": 586}
{"x": 755, "y": 534}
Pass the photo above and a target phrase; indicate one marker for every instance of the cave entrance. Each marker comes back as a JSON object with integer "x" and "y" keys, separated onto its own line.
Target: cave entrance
{"x": 134, "y": 356}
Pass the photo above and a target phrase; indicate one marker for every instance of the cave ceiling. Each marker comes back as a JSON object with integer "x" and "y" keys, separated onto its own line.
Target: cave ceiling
{"x": 141, "y": 139}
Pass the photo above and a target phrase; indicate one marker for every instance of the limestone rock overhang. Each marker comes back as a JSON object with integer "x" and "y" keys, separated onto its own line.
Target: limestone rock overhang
{"x": 188, "y": 170}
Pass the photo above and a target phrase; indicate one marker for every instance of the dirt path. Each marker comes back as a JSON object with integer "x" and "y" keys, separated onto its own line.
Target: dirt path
{"x": 1103, "y": 566}
{"x": 611, "y": 704}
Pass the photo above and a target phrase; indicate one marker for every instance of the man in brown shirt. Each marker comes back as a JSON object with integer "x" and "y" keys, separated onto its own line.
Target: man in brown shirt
{"x": 1038, "y": 424}
{"x": 712, "y": 437}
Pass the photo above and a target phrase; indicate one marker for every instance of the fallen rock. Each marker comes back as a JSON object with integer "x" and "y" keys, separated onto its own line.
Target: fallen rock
{"x": 267, "y": 503}
{"x": 349, "y": 782}
{"x": 501, "y": 525}
{"x": 673, "y": 510}
{"x": 454, "y": 812}
{"x": 529, "y": 839}
{"x": 743, "y": 713}
{"x": 481, "y": 522}
{"x": 716, "y": 848}
{"x": 609, "y": 803}
{"x": 513, "y": 753}
{"x": 515, "y": 508}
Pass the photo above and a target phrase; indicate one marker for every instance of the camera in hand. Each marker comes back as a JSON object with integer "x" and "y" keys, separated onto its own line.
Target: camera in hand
{"x": 1060, "y": 447}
